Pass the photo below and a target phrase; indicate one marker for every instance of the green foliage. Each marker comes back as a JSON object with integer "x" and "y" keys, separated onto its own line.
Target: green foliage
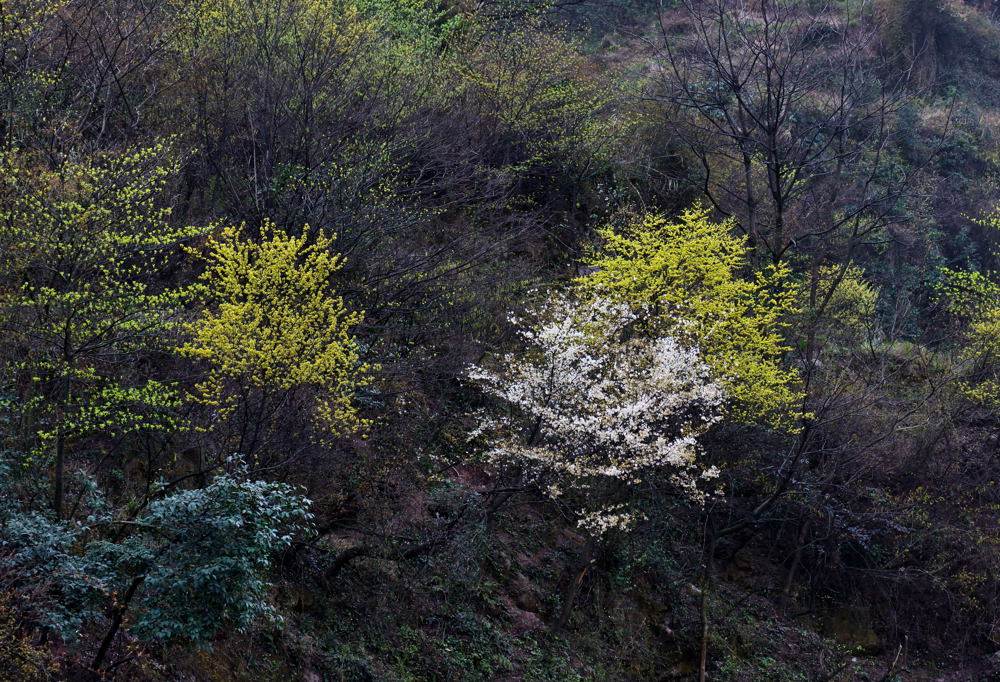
{"x": 686, "y": 279}
{"x": 28, "y": 87}
{"x": 838, "y": 303}
{"x": 540, "y": 90}
{"x": 203, "y": 556}
{"x": 475, "y": 646}
{"x": 293, "y": 60}
{"x": 549, "y": 664}
{"x": 980, "y": 346}
{"x": 328, "y": 26}
{"x": 81, "y": 297}
{"x": 964, "y": 293}
{"x": 67, "y": 590}
{"x": 850, "y": 300}
{"x": 972, "y": 299}
{"x": 83, "y": 243}
{"x": 196, "y": 560}
{"x": 421, "y": 25}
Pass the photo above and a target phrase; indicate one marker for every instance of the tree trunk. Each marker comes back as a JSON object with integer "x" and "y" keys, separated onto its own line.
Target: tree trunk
{"x": 59, "y": 476}
{"x": 706, "y": 585}
{"x": 343, "y": 559}
{"x": 117, "y": 615}
{"x": 786, "y": 593}
{"x": 58, "y": 492}
{"x": 586, "y": 563}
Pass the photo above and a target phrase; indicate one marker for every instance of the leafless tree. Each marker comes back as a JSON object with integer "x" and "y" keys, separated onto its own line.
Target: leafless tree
{"x": 787, "y": 110}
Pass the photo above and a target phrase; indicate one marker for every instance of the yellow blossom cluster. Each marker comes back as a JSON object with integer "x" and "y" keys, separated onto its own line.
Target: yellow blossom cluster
{"x": 272, "y": 322}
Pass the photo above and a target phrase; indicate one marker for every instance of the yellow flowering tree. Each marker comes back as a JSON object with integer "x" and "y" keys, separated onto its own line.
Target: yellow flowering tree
{"x": 972, "y": 301}
{"x": 686, "y": 275}
{"x": 838, "y": 305}
{"x": 273, "y": 333}
{"x": 541, "y": 91}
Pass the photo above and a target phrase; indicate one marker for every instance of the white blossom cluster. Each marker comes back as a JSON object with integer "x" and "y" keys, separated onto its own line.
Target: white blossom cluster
{"x": 596, "y": 408}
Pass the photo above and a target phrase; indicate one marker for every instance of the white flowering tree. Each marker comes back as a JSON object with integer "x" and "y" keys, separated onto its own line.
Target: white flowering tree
{"x": 593, "y": 411}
